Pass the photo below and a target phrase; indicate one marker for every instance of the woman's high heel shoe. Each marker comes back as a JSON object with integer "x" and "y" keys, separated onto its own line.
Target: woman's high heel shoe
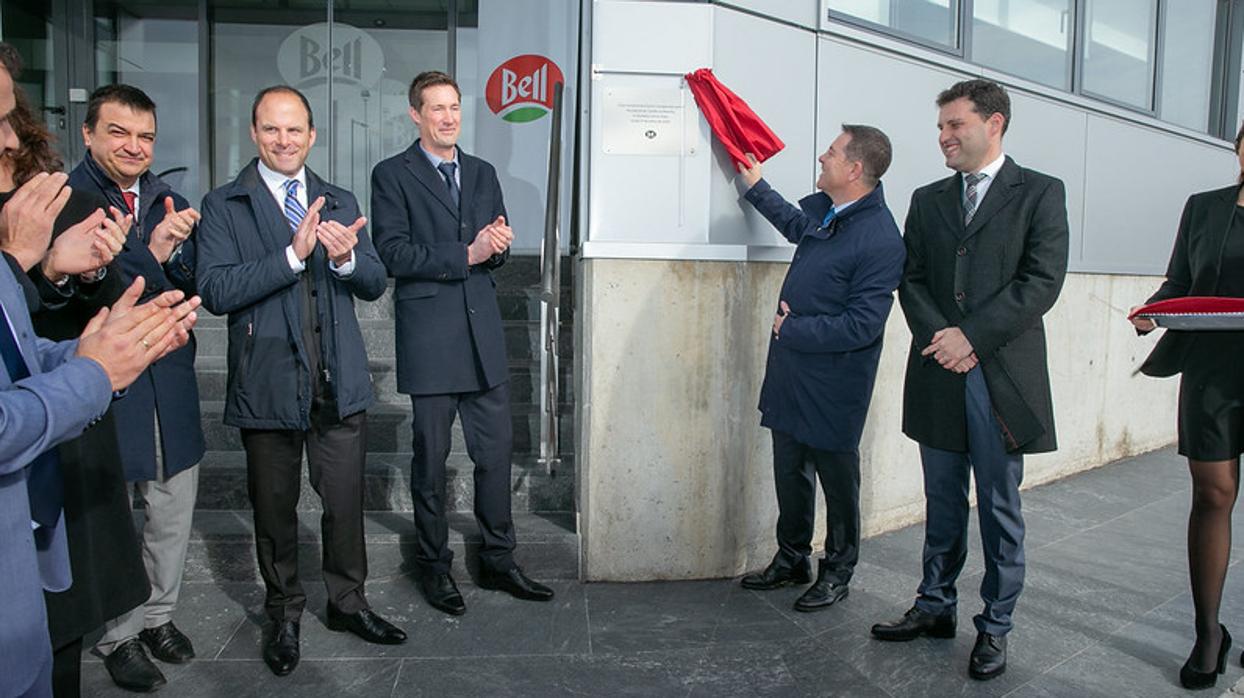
{"x": 1194, "y": 679}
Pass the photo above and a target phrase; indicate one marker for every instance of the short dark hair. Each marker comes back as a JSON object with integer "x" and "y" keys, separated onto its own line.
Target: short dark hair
{"x": 870, "y": 147}
{"x": 279, "y": 89}
{"x": 426, "y": 79}
{"x": 125, "y": 95}
{"x": 987, "y": 98}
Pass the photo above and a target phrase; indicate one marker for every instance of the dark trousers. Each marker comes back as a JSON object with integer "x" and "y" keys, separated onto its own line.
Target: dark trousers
{"x": 335, "y": 456}
{"x": 796, "y": 467}
{"x": 489, "y": 437}
{"x": 67, "y": 670}
{"x": 998, "y": 476}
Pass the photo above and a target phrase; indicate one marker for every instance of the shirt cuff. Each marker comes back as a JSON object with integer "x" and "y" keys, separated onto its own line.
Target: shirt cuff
{"x": 295, "y": 265}
{"x": 345, "y": 269}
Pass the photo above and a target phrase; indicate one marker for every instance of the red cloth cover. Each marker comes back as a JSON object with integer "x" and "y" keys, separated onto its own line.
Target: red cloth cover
{"x": 1188, "y": 305}
{"x": 733, "y": 122}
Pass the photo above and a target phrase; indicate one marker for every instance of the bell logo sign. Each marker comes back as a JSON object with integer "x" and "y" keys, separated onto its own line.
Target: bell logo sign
{"x": 521, "y": 89}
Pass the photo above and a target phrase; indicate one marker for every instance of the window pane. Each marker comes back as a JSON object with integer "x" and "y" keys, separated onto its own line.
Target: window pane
{"x": 1188, "y": 62}
{"x": 930, "y": 20}
{"x": 155, "y": 47}
{"x": 1028, "y": 38}
{"x": 1118, "y": 50}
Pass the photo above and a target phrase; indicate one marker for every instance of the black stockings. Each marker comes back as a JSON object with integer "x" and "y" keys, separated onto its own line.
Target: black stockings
{"x": 1214, "y": 487}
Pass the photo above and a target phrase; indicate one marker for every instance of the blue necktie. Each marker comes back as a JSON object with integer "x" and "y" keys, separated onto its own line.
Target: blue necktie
{"x": 829, "y": 217}
{"x": 447, "y": 171}
{"x": 45, "y": 486}
{"x": 294, "y": 210}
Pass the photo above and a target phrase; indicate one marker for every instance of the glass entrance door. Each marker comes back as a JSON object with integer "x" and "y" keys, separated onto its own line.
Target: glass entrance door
{"x": 37, "y": 29}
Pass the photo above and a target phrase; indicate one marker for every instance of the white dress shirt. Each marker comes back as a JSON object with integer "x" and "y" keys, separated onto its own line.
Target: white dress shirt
{"x": 982, "y": 187}
{"x": 275, "y": 181}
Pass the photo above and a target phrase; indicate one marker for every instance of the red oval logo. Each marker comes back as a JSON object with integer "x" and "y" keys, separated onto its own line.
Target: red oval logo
{"x": 521, "y": 89}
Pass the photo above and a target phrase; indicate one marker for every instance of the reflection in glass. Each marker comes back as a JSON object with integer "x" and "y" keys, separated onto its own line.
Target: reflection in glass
{"x": 1188, "y": 63}
{"x": 28, "y": 27}
{"x": 378, "y": 56}
{"x": 155, "y": 47}
{"x": 1028, "y": 38}
{"x": 1119, "y": 50}
{"x": 930, "y": 20}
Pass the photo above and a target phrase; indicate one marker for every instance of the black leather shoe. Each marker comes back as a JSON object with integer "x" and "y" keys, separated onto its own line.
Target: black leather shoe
{"x": 281, "y": 651}
{"x": 915, "y": 623}
{"x": 1193, "y": 678}
{"x": 442, "y": 593}
{"x": 130, "y": 668}
{"x": 367, "y": 625}
{"x": 988, "y": 658}
{"x": 777, "y": 575}
{"x": 823, "y": 594}
{"x": 516, "y": 584}
{"x": 167, "y": 644}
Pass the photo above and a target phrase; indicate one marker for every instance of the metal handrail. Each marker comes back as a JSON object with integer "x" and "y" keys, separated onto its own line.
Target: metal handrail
{"x": 550, "y": 292}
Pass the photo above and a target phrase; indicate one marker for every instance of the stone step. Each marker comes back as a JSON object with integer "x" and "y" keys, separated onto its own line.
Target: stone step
{"x": 523, "y": 340}
{"x": 534, "y": 487}
{"x": 525, "y": 383}
{"x": 389, "y": 430}
{"x": 222, "y": 547}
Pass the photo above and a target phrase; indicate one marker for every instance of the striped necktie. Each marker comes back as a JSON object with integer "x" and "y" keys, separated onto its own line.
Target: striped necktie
{"x": 294, "y": 210}
{"x": 969, "y": 195}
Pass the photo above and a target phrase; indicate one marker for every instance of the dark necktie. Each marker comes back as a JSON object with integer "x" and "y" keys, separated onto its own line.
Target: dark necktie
{"x": 969, "y": 196}
{"x": 447, "y": 171}
{"x": 131, "y": 201}
{"x": 45, "y": 487}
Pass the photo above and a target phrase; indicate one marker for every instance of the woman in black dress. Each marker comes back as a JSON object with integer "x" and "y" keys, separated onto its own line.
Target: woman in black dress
{"x": 1208, "y": 260}
{"x": 108, "y": 574}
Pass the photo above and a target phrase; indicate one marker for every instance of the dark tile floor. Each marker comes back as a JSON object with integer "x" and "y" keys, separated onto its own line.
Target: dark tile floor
{"x": 1106, "y": 612}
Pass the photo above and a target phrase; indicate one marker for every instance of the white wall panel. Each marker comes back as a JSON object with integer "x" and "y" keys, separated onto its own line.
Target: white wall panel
{"x": 1136, "y": 182}
{"x": 860, "y": 85}
{"x": 788, "y": 105}
{"x": 802, "y": 12}
{"x": 651, "y": 36}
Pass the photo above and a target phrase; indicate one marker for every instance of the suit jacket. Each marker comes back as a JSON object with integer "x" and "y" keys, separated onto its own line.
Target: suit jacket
{"x": 243, "y": 272}
{"x": 63, "y": 395}
{"x": 1194, "y": 269}
{"x": 109, "y": 576}
{"x": 994, "y": 279}
{"x": 840, "y": 287}
{"x": 449, "y": 333}
{"x": 170, "y": 383}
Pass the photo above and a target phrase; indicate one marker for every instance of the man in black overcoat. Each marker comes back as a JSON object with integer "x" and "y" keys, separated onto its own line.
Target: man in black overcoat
{"x": 440, "y": 229}
{"x": 986, "y": 257}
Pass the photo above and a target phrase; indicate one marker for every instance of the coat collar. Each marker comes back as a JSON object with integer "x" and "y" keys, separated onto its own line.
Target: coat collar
{"x": 151, "y": 187}
{"x": 249, "y": 184}
{"x": 818, "y": 204}
{"x": 426, "y": 175}
{"x": 950, "y": 199}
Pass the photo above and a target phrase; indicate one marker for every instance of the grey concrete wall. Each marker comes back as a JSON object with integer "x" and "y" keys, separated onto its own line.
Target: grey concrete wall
{"x": 675, "y": 475}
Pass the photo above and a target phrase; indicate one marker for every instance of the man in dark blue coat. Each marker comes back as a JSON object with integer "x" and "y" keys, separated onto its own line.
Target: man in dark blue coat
{"x": 823, "y": 355}
{"x": 285, "y": 254}
{"x": 440, "y": 229}
{"x": 158, "y": 425}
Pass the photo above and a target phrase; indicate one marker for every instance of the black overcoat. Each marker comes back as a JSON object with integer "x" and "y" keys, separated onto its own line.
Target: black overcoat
{"x": 170, "y": 382}
{"x": 449, "y": 333}
{"x": 994, "y": 279}
{"x": 108, "y": 574}
{"x": 1194, "y": 268}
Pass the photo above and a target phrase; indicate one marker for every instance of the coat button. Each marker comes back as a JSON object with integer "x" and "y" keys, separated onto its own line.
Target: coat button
{"x": 471, "y": 310}
{"x": 961, "y": 251}
{"x": 314, "y": 293}
{"x": 960, "y": 295}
